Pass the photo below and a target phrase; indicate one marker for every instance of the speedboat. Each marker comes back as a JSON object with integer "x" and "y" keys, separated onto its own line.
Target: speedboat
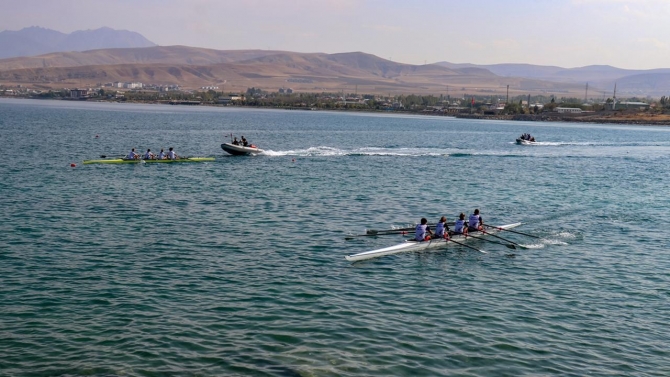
{"x": 239, "y": 150}
{"x": 521, "y": 141}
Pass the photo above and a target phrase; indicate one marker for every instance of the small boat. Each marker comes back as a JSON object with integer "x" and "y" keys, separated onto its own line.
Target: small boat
{"x": 521, "y": 141}
{"x": 411, "y": 245}
{"x": 139, "y": 161}
{"x": 239, "y": 150}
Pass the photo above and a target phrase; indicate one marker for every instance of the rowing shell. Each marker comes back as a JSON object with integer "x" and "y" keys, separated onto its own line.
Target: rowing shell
{"x": 138, "y": 161}
{"x": 411, "y": 245}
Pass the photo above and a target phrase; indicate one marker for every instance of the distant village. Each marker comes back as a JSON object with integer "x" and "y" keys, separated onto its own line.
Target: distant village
{"x": 464, "y": 105}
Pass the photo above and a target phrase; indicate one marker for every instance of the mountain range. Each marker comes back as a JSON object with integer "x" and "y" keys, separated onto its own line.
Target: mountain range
{"x": 35, "y": 40}
{"x": 133, "y": 58}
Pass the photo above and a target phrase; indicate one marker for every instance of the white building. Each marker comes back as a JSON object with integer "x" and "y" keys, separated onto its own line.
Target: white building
{"x": 572, "y": 110}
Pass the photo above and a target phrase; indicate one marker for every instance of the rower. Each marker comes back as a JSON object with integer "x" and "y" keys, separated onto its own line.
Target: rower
{"x": 162, "y": 155}
{"x": 171, "y": 155}
{"x": 149, "y": 155}
{"x": 421, "y": 230}
{"x": 475, "y": 222}
{"x": 132, "y": 155}
{"x": 459, "y": 225}
{"x": 442, "y": 229}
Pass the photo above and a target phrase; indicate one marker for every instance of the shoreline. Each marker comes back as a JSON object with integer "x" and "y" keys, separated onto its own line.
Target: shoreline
{"x": 636, "y": 119}
{"x": 605, "y": 117}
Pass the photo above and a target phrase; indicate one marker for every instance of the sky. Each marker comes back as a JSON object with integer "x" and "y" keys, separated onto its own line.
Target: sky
{"x": 633, "y": 34}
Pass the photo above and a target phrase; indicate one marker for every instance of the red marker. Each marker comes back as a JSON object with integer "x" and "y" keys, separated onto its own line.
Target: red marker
{"x": 73, "y": 165}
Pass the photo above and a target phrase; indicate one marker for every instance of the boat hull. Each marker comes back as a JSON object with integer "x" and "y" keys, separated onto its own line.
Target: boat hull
{"x": 124, "y": 161}
{"x": 417, "y": 246}
{"x": 524, "y": 142}
{"x": 238, "y": 150}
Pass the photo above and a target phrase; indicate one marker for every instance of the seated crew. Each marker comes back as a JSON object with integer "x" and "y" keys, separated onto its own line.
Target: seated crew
{"x": 162, "y": 155}
{"x": 149, "y": 155}
{"x": 421, "y": 230}
{"x": 475, "y": 222}
{"x": 235, "y": 142}
{"x": 442, "y": 229}
{"x": 459, "y": 225}
{"x": 244, "y": 142}
{"x": 172, "y": 155}
{"x": 132, "y": 155}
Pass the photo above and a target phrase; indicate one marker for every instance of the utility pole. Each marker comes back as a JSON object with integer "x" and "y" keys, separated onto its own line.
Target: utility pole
{"x": 586, "y": 95}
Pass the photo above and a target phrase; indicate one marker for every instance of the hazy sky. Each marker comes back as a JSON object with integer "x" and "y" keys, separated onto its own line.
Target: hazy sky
{"x": 566, "y": 33}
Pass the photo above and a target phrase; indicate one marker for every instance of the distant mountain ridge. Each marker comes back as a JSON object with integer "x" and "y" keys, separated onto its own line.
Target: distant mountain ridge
{"x": 237, "y": 70}
{"x": 35, "y": 40}
{"x": 193, "y": 67}
{"x": 632, "y": 81}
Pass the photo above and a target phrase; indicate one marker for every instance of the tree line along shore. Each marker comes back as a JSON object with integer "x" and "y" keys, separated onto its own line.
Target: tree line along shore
{"x": 521, "y": 108}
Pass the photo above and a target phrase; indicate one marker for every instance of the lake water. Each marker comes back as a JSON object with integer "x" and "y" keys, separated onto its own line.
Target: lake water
{"x": 236, "y": 267}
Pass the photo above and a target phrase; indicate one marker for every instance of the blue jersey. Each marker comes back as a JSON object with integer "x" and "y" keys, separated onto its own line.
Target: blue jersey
{"x": 473, "y": 222}
{"x": 420, "y": 233}
{"x": 439, "y": 229}
{"x": 459, "y": 226}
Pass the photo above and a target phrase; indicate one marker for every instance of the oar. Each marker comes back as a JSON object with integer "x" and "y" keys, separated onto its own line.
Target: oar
{"x": 513, "y": 231}
{"x": 504, "y": 239}
{"x": 373, "y": 233}
{"x": 484, "y": 239}
{"x": 464, "y": 245}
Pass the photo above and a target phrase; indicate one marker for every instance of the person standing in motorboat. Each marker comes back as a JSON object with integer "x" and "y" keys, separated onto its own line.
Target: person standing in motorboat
{"x": 172, "y": 155}
{"x": 475, "y": 222}
{"x": 244, "y": 141}
{"x": 442, "y": 229}
{"x": 132, "y": 155}
{"x": 149, "y": 155}
{"x": 422, "y": 232}
{"x": 459, "y": 225}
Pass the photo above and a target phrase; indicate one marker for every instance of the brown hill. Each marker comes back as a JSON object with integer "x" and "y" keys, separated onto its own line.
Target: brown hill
{"x": 147, "y": 55}
{"x": 238, "y": 70}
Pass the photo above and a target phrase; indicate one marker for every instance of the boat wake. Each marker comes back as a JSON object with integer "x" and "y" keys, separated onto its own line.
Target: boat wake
{"x": 367, "y": 151}
{"x": 557, "y": 239}
{"x": 324, "y": 151}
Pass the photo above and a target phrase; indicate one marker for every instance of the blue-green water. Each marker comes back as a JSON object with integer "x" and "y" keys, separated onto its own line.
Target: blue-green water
{"x": 236, "y": 267}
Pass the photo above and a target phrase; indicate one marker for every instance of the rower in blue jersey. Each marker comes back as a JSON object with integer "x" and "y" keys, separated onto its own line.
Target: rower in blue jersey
{"x": 442, "y": 229}
{"x": 459, "y": 225}
{"x": 422, "y": 232}
{"x": 475, "y": 222}
{"x": 171, "y": 154}
{"x": 149, "y": 155}
{"x": 132, "y": 155}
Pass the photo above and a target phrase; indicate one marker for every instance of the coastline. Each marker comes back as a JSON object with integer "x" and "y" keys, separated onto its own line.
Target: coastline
{"x": 609, "y": 117}
{"x": 605, "y": 117}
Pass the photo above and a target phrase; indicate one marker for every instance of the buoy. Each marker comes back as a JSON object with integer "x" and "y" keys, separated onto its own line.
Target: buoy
{"x": 73, "y": 165}
{"x": 293, "y": 160}
{"x": 96, "y": 136}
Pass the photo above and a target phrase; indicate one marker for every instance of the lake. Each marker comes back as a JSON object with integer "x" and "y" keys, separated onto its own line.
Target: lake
{"x": 236, "y": 267}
